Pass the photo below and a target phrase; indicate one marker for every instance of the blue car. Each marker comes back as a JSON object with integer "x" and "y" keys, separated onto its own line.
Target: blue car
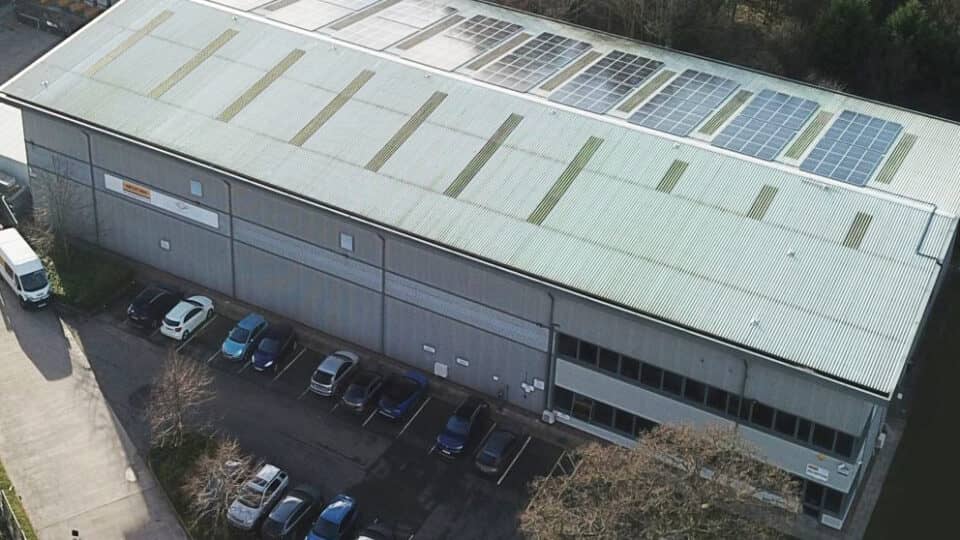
{"x": 276, "y": 342}
{"x": 400, "y": 393}
{"x": 460, "y": 427}
{"x": 336, "y": 521}
{"x": 243, "y": 338}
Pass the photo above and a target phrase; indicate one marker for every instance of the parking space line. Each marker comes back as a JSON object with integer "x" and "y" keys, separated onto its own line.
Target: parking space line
{"x": 487, "y": 434}
{"x": 197, "y": 333}
{"x": 369, "y": 418}
{"x": 335, "y": 405}
{"x": 212, "y": 357}
{"x": 155, "y": 332}
{"x": 432, "y": 448}
{"x": 515, "y": 458}
{"x": 305, "y": 390}
{"x": 290, "y": 363}
{"x": 414, "y": 417}
{"x": 246, "y": 364}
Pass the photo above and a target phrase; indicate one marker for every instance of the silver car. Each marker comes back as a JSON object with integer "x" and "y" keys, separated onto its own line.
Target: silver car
{"x": 257, "y": 497}
{"x": 331, "y": 373}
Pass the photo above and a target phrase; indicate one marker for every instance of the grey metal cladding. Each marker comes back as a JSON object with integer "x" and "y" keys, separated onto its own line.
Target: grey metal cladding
{"x": 335, "y": 264}
{"x": 467, "y": 311}
{"x": 56, "y": 135}
{"x": 80, "y": 219}
{"x": 57, "y": 163}
{"x": 196, "y": 253}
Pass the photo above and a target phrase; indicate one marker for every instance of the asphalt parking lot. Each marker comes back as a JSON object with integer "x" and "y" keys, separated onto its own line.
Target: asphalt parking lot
{"x": 390, "y": 466}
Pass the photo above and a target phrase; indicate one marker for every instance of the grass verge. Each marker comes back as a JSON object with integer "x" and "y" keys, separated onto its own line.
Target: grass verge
{"x": 90, "y": 277}
{"x": 18, "y": 510}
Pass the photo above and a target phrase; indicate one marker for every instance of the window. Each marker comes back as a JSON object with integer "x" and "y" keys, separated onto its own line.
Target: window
{"x": 745, "y": 408}
{"x": 642, "y": 424}
{"x": 629, "y": 367}
{"x": 346, "y": 241}
{"x": 602, "y": 414}
{"x": 786, "y": 423}
{"x": 844, "y": 445}
{"x": 823, "y": 437}
{"x": 651, "y": 376}
{"x": 695, "y": 391}
{"x": 609, "y": 361}
{"x": 566, "y": 345}
{"x": 672, "y": 382}
{"x": 582, "y": 407}
{"x": 833, "y": 501}
{"x": 588, "y": 353}
{"x": 717, "y": 399}
{"x": 813, "y": 494}
{"x": 762, "y": 415}
{"x": 196, "y": 188}
{"x": 562, "y": 399}
{"x": 803, "y": 430}
{"x": 733, "y": 405}
{"x": 623, "y": 422}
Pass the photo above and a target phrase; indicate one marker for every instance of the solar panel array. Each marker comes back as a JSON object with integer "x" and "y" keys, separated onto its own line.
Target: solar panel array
{"x": 853, "y": 148}
{"x": 768, "y": 123}
{"x": 533, "y": 62}
{"x": 607, "y": 82}
{"x": 394, "y": 23}
{"x": 463, "y": 42}
{"x": 685, "y": 103}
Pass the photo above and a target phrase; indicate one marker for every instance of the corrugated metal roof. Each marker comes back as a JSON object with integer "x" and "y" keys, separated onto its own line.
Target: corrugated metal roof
{"x": 700, "y": 255}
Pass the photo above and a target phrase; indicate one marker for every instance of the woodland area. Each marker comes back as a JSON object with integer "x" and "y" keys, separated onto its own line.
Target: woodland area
{"x": 904, "y": 52}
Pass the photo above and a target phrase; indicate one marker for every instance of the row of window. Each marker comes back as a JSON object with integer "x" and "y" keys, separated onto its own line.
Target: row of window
{"x": 817, "y": 498}
{"x": 718, "y": 401}
{"x": 599, "y": 413}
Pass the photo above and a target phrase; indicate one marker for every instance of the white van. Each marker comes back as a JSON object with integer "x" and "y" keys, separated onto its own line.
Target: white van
{"x": 22, "y": 270}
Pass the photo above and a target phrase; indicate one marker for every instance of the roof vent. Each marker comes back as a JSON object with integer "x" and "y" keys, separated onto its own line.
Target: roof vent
{"x": 791, "y": 253}
{"x": 754, "y": 322}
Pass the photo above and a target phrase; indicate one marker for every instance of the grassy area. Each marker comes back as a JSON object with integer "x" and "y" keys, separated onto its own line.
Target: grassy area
{"x": 89, "y": 279}
{"x": 8, "y": 488}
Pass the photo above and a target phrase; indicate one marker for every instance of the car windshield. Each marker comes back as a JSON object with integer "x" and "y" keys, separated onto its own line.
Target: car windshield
{"x": 458, "y": 425}
{"x": 34, "y": 281}
{"x": 322, "y": 377}
{"x": 269, "y": 346}
{"x": 325, "y": 529}
{"x": 400, "y": 388}
{"x": 250, "y": 497}
{"x": 239, "y": 335}
{"x": 170, "y": 322}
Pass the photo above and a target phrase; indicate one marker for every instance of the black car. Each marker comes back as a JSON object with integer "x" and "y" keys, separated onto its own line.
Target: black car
{"x": 497, "y": 451}
{"x": 382, "y": 530}
{"x": 149, "y": 307}
{"x": 363, "y": 390}
{"x": 276, "y": 342}
{"x": 292, "y": 516}
{"x": 460, "y": 427}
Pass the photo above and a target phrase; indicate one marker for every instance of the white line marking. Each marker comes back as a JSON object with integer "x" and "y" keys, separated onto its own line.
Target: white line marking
{"x": 197, "y": 333}
{"x": 246, "y": 364}
{"x": 515, "y": 458}
{"x": 432, "y": 448}
{"x": 369, "y": 418}
{"x": 213, "y": 357}
{"x": 486, "y": 435}
{"x": 305, "y": 390}
{"x": 557, "y": 462}
{"x": 155, "y": 332}
{"x": 337, "y": 404}
{"x": 414, "y": 417}
{"x": 290, "y": 363}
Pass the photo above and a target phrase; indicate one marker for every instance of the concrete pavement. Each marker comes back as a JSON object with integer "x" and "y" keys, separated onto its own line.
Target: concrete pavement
{"x": 74, "y": 466}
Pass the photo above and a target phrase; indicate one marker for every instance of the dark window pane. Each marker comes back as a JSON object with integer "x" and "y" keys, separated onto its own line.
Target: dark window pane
{"x": 643, "y": 424}
{"x": 609, "y": 361}
{"x": 581, "y": 407}
{"x": 651, "y": 375}
{"x": 629, "y": 367}
{"x": 562, "y": 399}
{"x": 588, "y": 352}
{"x": 745, "y": 409}
{"x": 786, "y": 423}
{"x": 733, "y": 405}
{"x": 762, "y": 415}
{"x": 833, "y": 501}
{"x": 823, "y": 437}
{"x": 695, "y": 391}
{"x": 803, "y": 430}
{"x": 717, "y": 399}
{"x": 624, "y": 422}
{"x": 566, "y": 345}
{"x": 672, "y": 382}
{"x": 813, "y": 494}
{"x": 845, "y": 444}
{"x": 811, "y": 511}
{"x": 602, "y": 414}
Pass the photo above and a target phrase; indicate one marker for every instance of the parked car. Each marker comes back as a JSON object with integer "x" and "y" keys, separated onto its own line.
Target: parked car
{"x": 292, "y": 516}
{"x": 185, "y": 317}
{"x": 257, "y": 497}
{"x": 336, "y": 521}
{"x": 149, "y": 307}
{"x": 332, "y": 372}
{"x": 497, "y": 451}
{"x": 243, "y": 338}
{"x": 277, "y": 341}
{"x": 364, "y": 388}
{"x": 400, "y": 393}
{"x": 461, "y": 426}
{"x": 382, "y": 530}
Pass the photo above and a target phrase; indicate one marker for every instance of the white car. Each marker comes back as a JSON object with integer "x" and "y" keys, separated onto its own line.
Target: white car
{"x": 184, "y": 319}
{"x": 257, "y": 497}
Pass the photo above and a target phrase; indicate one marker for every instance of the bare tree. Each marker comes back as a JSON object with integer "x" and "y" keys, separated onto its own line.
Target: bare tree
{"x": 178, "y": 391}
{"x": 59, "y": 206}
{"x": 216, "y": 480}
{"x": 678, "y": 482}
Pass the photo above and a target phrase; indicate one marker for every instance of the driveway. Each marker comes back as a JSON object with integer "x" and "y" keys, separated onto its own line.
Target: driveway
{"x": 74, "y": 466}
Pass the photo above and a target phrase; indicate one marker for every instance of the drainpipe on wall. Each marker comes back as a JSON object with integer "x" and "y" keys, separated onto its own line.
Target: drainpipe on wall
{"x": 233, "y": 261}
{"x": 551, "y": 362}
{"x": 383, "y": 293}
{"x": 743, "y": 392}
{"x": 93, "y": 187}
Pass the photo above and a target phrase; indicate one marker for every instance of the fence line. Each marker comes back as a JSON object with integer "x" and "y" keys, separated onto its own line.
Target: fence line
{"x": 10, "y": 528}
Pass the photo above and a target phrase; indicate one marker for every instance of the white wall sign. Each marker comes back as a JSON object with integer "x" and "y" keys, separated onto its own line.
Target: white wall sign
{"x": 463, "y": 362}
{"x": 538, "y": 384}
{"x": 440, "y": 369}
{"x": 818, "y": 473}
{"x": 429, "y": 349}
{"x": 160, "y": 200}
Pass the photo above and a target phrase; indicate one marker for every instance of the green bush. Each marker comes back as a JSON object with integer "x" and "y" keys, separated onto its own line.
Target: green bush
{"x": 88, "y": 278}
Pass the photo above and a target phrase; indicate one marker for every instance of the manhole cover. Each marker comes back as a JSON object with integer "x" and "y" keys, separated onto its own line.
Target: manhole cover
{"x": 140, "y": 397}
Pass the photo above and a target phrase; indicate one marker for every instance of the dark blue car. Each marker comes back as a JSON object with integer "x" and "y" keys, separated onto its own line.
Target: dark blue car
{"x": 460, "y": 426}
{"x": 336, "y": 521}
{"x": 400, "y": 393}
{"x": 276, "y": 342}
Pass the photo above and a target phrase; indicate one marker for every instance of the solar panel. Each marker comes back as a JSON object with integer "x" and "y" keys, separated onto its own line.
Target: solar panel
{"x": 394, "y": 23}
{"x": 533, "y": 62}
{"x": 468, "y": 40}
{"x": 768, "y": 123}
{"x": 852, "y": 148}
{"x": 685, "y": 103}
{"x": 606, "y": 83}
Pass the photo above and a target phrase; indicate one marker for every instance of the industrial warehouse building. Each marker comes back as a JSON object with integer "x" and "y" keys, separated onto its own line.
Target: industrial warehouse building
{"x": 614, "y": 233}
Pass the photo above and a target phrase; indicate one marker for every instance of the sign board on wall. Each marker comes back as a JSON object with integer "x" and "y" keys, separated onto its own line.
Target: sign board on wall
{"x": 817, "y": 472}
{"x": 160, "y": 200}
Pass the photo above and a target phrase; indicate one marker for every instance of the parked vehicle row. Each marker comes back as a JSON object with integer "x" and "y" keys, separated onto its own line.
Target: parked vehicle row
{"x": 165, "y": 308}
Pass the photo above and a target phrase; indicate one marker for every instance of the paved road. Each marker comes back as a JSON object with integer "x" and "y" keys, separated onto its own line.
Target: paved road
{"x": 72, "y": 463}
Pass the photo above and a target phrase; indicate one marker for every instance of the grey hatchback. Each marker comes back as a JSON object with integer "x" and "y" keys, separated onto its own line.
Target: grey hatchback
{"x": 293, "y": 515}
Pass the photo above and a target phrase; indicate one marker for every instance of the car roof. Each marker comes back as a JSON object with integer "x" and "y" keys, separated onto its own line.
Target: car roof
{"x": 332, "y": 363}
{"x": 338, "y": 508}
{"x": 250, "y": 321}
{"x": 268, "y": 472}
{"x": 499, "y": 439}
{"x": 181, "y": 309}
